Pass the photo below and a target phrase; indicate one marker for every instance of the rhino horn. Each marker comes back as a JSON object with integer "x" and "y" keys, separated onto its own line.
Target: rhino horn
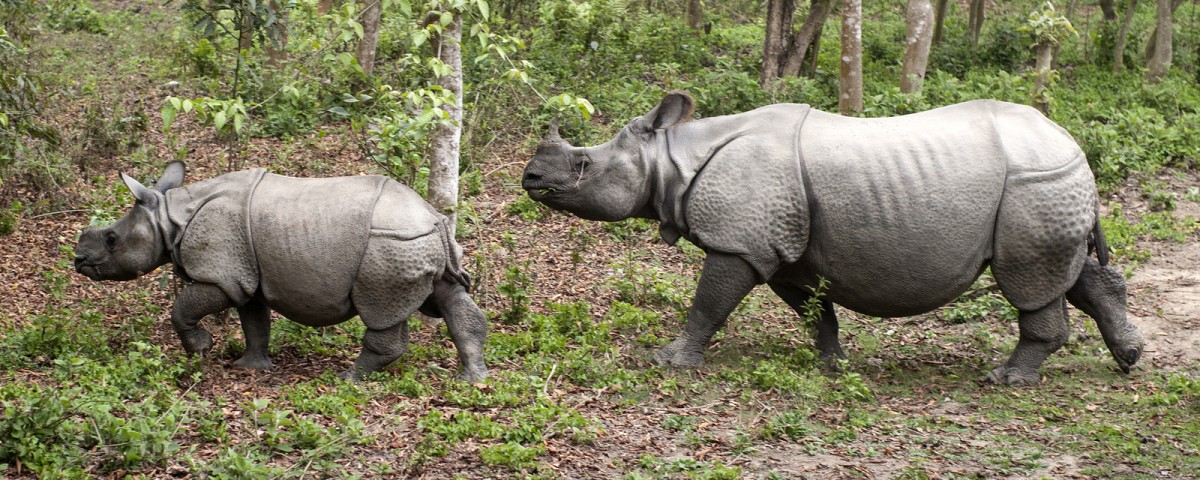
{"x": 552, "y": 137}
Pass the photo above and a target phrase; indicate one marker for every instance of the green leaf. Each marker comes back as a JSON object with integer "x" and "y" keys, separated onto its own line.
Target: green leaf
{"x": 484, "y": 11}
{"x": 358, "y": 29}
{"x": 175, "y": 103}
{"x": 168, "y": 114}
{"x": 3, "y": 120}
{"x": 219, "y": 120}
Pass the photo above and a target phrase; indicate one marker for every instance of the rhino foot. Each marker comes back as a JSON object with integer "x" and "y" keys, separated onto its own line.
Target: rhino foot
{"x": 1129, "y": 351}
{"x": 1013, "y": 376}
{"x": 197, "y": 341}
{"x": 473, "y": 375}
{"x": 677, "y": 354}
{"x": 352, "y": 375}
{"x": 254, "y": 362}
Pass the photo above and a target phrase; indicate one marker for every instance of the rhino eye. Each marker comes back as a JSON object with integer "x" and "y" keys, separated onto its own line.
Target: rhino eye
{"x": 110, "y": 239}
{"x": 582, "y": 162}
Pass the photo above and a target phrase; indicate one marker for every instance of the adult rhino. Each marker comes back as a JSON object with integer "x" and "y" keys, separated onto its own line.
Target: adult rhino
{"x": 318, "y": 251}
{"x": 900, "y": 215}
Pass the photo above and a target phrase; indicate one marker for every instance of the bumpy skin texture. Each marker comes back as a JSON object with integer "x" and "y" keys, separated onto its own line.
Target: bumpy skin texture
{"x": 900, "y": 214}
{"x": 318, "y": 251}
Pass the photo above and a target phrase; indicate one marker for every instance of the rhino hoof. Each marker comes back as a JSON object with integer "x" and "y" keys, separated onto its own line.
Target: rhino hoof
{"x": 1012, "y": 376}
{"x": 198, "y": 341}
{"x": 1129, "y": 355}
{"x": 675, "y": 357}
{"x": 352, "y": 375}
{"x": 473, "y": 375}
{"x": 254, "y": 363}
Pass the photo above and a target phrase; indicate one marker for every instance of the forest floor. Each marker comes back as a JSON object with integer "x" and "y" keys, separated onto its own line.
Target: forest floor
{"x": 572, "y": 393}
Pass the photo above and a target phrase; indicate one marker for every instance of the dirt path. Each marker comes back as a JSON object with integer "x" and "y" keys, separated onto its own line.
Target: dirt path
{"x": 1164, "y": 299}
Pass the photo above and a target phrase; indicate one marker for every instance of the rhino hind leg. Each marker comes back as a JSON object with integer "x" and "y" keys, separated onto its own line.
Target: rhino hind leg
{"x": 193, "y": 303}
{"x": 1043, "y": 331}
{"x": 393, "y": 281}
{"x": 826, "y": 325}
{"x": 466, "y": 324}
{"x": 256, "y": 326}
{"x": 1100, "y": 293}
{"x": 724, "y": 282}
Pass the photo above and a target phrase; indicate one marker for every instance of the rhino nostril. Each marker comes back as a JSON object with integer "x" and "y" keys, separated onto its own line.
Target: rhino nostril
{"x": 79, "y": 260}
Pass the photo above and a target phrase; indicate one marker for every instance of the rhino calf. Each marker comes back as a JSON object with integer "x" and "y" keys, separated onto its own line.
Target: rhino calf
{"x": 900, "y": 215}
{"x": 318, "y": 251}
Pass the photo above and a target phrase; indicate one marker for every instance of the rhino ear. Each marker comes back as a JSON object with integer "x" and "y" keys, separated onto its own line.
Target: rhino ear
{"x": 172, "y": 176}
{"x": 677, "y": 107}
{"x": 142, "y": 194}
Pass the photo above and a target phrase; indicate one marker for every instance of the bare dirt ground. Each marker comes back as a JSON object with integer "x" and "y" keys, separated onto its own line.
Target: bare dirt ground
{"x": 1164, "y": 291}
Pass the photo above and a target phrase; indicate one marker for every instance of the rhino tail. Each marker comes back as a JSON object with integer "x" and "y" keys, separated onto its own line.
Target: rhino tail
{"x": 454, "y": 269}
{"x": 1097, "y": 242}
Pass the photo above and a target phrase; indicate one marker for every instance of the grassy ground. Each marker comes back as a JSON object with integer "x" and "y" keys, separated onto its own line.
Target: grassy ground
{"x": 93, "y": 382}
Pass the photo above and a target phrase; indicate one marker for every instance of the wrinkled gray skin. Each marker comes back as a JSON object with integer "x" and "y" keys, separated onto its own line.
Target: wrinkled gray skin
{"x": 900, "y": 214}
{"x": 318, "y": 251}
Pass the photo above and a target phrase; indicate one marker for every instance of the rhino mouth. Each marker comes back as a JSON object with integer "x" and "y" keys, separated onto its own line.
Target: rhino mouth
{"x": 89, "y": 270}
{"x": 539, "y": 190}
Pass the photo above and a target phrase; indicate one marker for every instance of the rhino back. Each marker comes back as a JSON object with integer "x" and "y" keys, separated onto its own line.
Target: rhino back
{"x": 903, "y": 208}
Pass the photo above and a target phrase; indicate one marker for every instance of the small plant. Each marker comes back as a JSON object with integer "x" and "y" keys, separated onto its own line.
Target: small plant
{"x": 792, "y": 425}
{"x": 515, "y": 287}
{"x": 526, "y": 208}
{"x": 10, "y": 218}
{"x": 511, "y": 455}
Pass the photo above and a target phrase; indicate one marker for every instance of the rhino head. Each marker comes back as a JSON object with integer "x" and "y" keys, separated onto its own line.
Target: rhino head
{"x": 135, "y": 244}
{"x": 608, "y": 182}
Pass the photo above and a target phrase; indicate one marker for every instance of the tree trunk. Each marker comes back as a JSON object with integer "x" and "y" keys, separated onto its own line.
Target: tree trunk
{"x": 916, "y": 51}
{"x": 372, "y": 11}
{"x": 779, "y": 25}
{"x": 1123, "y": 35}
{"x": 246, "y": 32}
{"x": 1110, "y": 12}
{"x": 695, "y": 14}
{"x": 277, "y": 49}
{"x": 1150, "y": 44}
{"x": 323, "y": 6}
{"x": 850, "y": 98}
{"x": 938, "y": 19}
{"x": 445, "y": 139}
{"x": 807, "y": 37}
{"x": 814, "y": 53}
{"x": 1042, "y": 79}
{"x": 1161, "y": 61}
{"x": 975, "y": 20}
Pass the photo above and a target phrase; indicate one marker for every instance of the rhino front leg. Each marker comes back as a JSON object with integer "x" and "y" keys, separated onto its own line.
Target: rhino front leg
{"x": 724, "y": 282}
{"x": 1100, "y": 293}
{"x": 1043, "y": 332}
{"x": 256, "y": 326}
{"x": 826, "y": 325}
{"x": 467, "y": 326}
{"x": 194, "y": 302}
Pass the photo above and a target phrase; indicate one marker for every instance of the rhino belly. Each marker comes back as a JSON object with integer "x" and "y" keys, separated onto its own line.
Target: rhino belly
{"x": 309, "y": 236}
{"x": 903, "y": 213}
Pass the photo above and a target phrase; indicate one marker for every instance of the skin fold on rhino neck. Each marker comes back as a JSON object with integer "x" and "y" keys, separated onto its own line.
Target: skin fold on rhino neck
{"x": 668, "y": 187}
